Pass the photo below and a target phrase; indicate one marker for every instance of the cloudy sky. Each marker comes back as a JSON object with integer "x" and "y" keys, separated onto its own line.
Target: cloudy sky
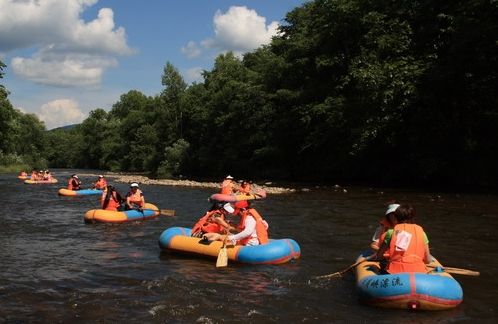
{"x": 67, "y": 57}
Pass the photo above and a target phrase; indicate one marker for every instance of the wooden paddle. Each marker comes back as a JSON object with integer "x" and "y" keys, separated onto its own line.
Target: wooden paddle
{"x": 459, "y": 271}
{"x": 222, "y": 260}
{"x": 164, "y": 212}
{"x": 340, "y": 273}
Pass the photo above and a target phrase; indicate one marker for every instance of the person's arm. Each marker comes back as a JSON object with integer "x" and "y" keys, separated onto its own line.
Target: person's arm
{"x": 250, "y": 226}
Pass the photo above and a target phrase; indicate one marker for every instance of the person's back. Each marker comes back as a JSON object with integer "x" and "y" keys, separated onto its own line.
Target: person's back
{"x": 111, "y": 199}
{"x": 407, "y": 243}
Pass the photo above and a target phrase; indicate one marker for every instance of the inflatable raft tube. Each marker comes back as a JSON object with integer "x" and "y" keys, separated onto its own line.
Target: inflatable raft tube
{"x": 260, "y": 194}
{"x": 109, "y": 216}
{"x": 82, "y": 192}
{"x": 29, "y": 181}
{"x": 435, "y": 290}
{"x": 277, "y": 251}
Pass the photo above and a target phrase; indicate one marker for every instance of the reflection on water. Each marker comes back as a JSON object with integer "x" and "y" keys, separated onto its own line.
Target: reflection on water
{"x": 56, "y": 268}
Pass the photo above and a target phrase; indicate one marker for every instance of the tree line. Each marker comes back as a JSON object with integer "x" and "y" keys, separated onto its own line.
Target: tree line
{"x": 384, "y": 92}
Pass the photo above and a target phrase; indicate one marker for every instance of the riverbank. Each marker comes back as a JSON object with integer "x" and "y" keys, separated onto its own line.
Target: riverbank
{"x": 129, "y": 178}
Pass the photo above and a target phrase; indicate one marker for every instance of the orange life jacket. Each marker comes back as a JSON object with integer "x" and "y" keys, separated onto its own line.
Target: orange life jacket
{"x": 113, "y": 204}
{"x": 411, "y": 259}
{"x": 100, "y": 184}
{"x": 73, "y": 184}
{"x": 261, "y": 230}
{"x": 135, "y": 198}
{"x": 227, "y": 187}
{"x": 207, "y": 224}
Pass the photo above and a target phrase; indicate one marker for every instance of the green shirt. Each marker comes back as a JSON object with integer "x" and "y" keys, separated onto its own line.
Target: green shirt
{"x": 389, "y": 234}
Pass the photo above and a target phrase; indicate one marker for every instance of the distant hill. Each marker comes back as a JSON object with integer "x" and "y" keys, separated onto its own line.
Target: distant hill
{"x": 67, "y": 127}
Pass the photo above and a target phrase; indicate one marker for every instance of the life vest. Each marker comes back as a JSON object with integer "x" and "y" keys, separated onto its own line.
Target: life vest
{"x": 73, "y": 184}
{"x": 100, "y": 184}
{"x": 135, "y": 198}
{"x": 407, "y": 249}
{"x": 261, "y": 227}
{"x": 227, "y": 187}
{"x": 207, "y": 225}
{"x": 113, "y": 204}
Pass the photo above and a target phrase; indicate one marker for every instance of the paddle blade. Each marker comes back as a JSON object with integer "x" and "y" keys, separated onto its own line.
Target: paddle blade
{"x": 167, "y": 212}
{"x": 222, "y": 260}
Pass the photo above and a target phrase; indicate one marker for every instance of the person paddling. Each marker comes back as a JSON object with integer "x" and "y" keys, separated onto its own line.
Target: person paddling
{"x": 101, "y": 183}
{"x": 135, "y": 198}
{"x": 214, "y": 221}
{"x": 253, "y": 229}
{"x": 111, "y": 199}
{"x": 74, "y": 183}
{"x": 407, "y": 243}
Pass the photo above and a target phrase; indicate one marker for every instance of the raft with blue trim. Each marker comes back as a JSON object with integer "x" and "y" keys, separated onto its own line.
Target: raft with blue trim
{"x": 435, "y": 290}
{"x": 108, "y": 216}
{"x": 29, "y": 181}
{"x": 82, "y": 192}
{"x": 277, "y": 251}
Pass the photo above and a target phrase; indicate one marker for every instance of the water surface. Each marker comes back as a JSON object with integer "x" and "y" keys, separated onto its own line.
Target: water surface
{"x": 55, "y": 268}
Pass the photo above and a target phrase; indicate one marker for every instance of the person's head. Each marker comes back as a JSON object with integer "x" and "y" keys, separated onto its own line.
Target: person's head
{"x": 134, "y": 186}
{"x": 229, "y": 177}
{"x": 74, "y": 176}
{"x": 241, "y": 205}
{"x": 405, "y": 214}
{"x": 101, "y": 176}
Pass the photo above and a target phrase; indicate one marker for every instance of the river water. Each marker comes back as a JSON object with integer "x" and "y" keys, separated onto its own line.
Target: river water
{"x": 57, "y": 269}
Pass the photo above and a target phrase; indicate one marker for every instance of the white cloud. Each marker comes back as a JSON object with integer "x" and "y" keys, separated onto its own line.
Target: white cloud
{"x": 241, "y": 30}
{"x": 60, "y": 112}
{"x": 191, "y": 50}
{"x": 70, "y": 51}
{"x": 194, "y": 75}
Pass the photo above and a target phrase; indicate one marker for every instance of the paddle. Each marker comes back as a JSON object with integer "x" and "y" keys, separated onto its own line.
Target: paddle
{"x": 222, "y": 260}
{"x": 164, "y": 212}
{"x": 459, "y": 271}
{"x": 340, "y": 273}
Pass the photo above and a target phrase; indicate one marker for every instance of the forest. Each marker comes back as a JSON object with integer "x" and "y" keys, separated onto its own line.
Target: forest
{"x": 352, "y": 91}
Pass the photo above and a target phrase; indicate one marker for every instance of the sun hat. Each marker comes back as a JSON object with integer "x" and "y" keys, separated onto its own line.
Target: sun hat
{"x": 134, "y": 185}
{"x": 101, "y": 176}
{"x": 229, "y": 177}
{"x": 392, "y": 208}
{"x": 228, "y": 208}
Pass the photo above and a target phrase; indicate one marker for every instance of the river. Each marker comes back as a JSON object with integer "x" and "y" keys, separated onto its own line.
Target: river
{"x": 57, "y": 269}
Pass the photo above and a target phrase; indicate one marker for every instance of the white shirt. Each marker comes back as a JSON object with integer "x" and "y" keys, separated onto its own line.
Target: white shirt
{"x": 249, "y": 230}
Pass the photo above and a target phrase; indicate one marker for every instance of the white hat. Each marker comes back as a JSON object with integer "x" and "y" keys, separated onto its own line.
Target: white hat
{"x": 229, "y": 177}
{"x": 134, "y": 184}
{"x": 75, "y": 176}
{"x": 228, "y": 208}
{"x": 392, "y": 208}
{"x": 101, "y": 176}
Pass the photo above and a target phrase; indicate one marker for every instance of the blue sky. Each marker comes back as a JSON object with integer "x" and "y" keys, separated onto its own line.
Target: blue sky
{"x": 67, "y": 57}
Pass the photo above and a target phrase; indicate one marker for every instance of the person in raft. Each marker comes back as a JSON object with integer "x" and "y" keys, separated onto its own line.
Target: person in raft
{"x": 135, "y": 198}
{"x": 228, "y": 186}
{"x": 101, "y": 183}
{"x": 214, "y": 221}
{"x": 74, "y": 183}
{"x": 111, "y": 199}
{"x": 384, "y": 225}
{"x": 244, "y": 187}
{"x": 252, "y": 228}
{"x": 407, "y": 244}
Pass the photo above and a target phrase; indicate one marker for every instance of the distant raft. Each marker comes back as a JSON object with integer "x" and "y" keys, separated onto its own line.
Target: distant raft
{"x": 29, "y": 181}
{"x": 82, "y": 192}
{"x": 259, "y": 194}
{"x": 435, "y": 290}
{"x": 108, "y": 216}
{"x": 277, "y": 251}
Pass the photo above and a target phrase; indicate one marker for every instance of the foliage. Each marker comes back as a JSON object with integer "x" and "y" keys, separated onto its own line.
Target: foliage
{"x": 386, "y": 92}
